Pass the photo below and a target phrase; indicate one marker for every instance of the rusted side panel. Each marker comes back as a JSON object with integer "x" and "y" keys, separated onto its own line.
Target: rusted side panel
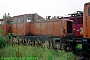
{"x": 27, "y": 28}
{"x": 38, "y": 28}
{"x": 32, "y": 28}
{"x": 57, "y": 28}
{"x": 86, "y": 21}
{"x": 49, "y": 26}
{"x": 43, "y": 28}
{"x": 14, "y": 26}
{"x": 20, "y": 29}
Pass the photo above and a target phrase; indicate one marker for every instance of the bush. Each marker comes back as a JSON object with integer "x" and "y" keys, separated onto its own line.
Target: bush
{"x": 4, "y": 39}
{"x": 2, "y": 42}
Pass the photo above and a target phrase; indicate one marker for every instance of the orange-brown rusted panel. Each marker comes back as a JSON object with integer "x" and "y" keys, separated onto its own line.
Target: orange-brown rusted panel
{"x": 43, "y": 28}
{"x": 86, "y": 20}
{"x": 14, "y": 29}
{"x": 38, "y": 28}
{"x": 27, "y": 28}
{"x": 49, "y": 25}
{"x": 20, "y": 29}
{"x": 57, "y": 27}
{"x": 32, "y": 29}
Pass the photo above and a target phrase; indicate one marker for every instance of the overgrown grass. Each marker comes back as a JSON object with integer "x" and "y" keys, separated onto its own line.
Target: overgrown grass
{"x": 40, "y": 53}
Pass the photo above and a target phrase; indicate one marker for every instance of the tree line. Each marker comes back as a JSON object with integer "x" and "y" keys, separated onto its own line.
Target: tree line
{"x": 6, "y": 15}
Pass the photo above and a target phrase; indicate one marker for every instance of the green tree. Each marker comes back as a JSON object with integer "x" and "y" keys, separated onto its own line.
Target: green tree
{"x": 6, "y": 16}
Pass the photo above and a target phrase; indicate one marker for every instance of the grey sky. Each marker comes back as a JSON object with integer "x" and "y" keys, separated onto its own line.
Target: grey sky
{"x": 42, "y": 7}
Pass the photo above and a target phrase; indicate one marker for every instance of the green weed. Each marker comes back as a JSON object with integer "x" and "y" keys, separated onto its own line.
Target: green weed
{"x": 29, "y": 51}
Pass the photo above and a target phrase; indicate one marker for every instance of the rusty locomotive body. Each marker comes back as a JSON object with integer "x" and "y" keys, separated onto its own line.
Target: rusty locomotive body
{"x": 33, "y": 24}
{"x": 34, "y": 27}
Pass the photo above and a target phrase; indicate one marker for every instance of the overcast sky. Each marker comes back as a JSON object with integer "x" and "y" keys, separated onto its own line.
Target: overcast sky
{"x": 42, "y": 7}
